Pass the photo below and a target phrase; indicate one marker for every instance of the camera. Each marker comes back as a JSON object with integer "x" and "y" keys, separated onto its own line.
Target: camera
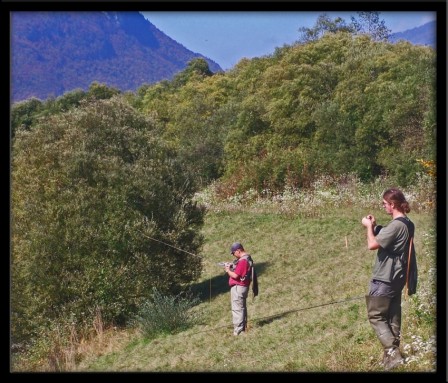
{"x": 377, "y": 229}
{"x": 224, "y": 264}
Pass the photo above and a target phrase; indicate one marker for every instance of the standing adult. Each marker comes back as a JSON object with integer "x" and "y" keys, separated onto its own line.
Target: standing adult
{"x": 239, "y": 273}
{"x": 393, "y": 243}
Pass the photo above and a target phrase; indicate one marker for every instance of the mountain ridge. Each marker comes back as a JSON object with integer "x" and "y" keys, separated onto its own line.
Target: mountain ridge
{"x": 53, "y": 55}
{"x": 56, "y": 52}
{"x": 422, "y": 35}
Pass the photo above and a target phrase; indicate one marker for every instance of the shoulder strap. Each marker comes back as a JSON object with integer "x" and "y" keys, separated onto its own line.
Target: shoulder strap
{"x": 251, "y": 271}
{"x": 411, "y": 229}
{"x": 409, "y": 265}
{"x": 248, "y": 258}
{"x": 409, "y": 225}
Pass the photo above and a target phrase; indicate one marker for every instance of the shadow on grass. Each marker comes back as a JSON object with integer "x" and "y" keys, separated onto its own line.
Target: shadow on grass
{"x": 267, "y": 320}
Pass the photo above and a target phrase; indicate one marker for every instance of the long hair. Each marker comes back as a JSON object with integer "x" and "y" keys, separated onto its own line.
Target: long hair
{"x": 396, "y": 196}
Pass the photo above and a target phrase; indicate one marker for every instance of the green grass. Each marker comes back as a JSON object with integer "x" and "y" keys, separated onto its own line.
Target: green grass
{"x": 310, "y": 316}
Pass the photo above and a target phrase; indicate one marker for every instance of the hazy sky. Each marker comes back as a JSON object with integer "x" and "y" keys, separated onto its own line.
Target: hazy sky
{"x": 227, "y": 37}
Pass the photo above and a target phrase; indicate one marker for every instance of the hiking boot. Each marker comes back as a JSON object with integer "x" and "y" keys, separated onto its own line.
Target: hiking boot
{"x": 392, "y": 358}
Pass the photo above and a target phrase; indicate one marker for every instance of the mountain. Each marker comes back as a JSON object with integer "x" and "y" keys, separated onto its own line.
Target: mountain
{"x": 56, "y": 52}
{"x": 423, "y": 35}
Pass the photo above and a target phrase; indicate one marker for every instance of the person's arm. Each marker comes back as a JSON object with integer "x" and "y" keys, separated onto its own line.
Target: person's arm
{"x": 369, "y": 223}
{"x": 230, "y": 272}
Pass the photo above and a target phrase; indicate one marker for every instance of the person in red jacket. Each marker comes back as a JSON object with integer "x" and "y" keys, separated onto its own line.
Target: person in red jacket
{"x": 239, "y": 273}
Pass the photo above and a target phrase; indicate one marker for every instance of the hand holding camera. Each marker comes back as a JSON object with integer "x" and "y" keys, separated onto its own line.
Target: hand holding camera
{"x": 227, "y": 265}
{"x": 369, "y": 220}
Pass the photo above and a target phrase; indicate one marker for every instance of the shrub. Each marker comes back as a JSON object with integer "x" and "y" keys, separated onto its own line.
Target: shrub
{"x": 96, "y": 198}
{"x": 167, "y": 314}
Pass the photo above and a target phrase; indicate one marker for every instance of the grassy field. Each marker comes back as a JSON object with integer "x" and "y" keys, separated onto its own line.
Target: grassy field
{"x": 313, "y": 269}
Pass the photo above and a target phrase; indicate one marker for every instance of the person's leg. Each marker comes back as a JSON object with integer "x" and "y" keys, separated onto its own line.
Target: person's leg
{"x": 245, "y": 309}
{"x": 378, "y": 314}
{"x": 238, "y": 295}
{"x": 382, "y": 310}
{"x": 395, "y": 318}
{"x": 393, "y": 355}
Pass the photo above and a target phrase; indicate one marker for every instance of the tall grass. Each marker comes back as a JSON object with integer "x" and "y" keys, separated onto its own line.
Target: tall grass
{"x": 313, "y": 266}
{"x": 326, "y": 192}
{"x": 166, "y": 314}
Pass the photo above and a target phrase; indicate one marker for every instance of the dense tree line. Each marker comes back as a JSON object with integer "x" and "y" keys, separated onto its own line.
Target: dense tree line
{"x": 94, "y": 174}
{"x": 343, "y": 103}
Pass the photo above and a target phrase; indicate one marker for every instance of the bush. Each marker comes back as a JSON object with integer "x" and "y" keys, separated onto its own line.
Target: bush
{"x": 166, "y": 314}
{"x": 97, "y": 197}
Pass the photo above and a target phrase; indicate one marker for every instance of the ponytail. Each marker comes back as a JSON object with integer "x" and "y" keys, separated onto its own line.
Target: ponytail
{"x": 396, "y": 196}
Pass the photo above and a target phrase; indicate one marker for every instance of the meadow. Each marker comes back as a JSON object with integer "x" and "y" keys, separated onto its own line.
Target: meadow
{"x": 313, "y": 270}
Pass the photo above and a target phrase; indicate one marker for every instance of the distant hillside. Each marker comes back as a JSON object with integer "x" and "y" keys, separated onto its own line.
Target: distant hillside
{"x": 423, "y": 35}
{"x": 56, "y": 52}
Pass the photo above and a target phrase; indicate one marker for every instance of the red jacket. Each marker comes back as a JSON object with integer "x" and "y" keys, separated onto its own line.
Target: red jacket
{"x": 242, "y": 268}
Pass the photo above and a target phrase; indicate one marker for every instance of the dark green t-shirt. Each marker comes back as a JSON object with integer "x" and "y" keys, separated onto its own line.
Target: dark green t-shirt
{"x": 393, "y": 240}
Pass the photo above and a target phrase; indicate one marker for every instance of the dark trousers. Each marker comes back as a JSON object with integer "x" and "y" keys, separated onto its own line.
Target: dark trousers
{"x": 384, "y": 311}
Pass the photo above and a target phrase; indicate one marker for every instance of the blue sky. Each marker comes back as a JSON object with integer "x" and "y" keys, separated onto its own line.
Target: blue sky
{"x": 227, "y": 37}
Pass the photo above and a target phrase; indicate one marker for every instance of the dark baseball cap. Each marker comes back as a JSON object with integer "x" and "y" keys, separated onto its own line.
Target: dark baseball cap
{"x": 235, "y": 247}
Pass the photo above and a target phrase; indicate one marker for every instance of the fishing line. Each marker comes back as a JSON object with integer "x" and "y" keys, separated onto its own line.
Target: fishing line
{"x": 167, "y": 244}
{"x": 306, "y": 308}
{"x": 194, "y": 255}
{"x": 278, "y": 315}
{"x": 256, "y": 319}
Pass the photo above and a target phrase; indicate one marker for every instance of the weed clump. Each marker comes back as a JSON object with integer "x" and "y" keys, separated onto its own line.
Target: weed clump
{"x": 166, "y": 314}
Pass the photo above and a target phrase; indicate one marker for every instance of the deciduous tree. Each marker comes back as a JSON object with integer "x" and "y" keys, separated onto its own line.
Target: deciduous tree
{"x": 102, "y": 213}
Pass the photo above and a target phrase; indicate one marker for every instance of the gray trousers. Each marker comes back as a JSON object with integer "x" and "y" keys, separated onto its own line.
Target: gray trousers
{"x": 238, "y": 297}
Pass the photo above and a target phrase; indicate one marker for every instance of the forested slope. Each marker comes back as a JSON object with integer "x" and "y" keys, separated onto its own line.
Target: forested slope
{"x": 97, "y": 173}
